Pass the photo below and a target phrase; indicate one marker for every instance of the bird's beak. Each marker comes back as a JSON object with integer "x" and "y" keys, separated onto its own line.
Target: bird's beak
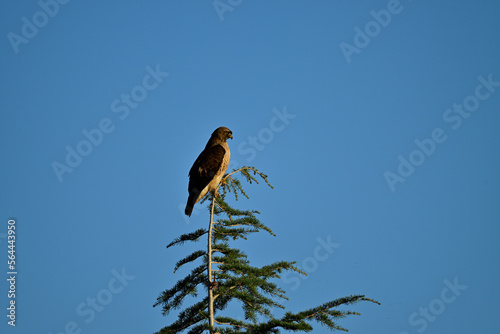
{"x": 231, "y": 135}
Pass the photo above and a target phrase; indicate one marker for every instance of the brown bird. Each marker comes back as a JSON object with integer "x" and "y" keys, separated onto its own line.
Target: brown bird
{"x": 209, "y": 167}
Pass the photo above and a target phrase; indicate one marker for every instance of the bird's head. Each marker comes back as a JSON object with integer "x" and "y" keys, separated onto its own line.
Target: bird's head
{"x": 223, "y": 133}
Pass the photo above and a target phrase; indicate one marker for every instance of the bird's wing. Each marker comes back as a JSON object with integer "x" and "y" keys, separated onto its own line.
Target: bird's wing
{"x": 206, "y": 166}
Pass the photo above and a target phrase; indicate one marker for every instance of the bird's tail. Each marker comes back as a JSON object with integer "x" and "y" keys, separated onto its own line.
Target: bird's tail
{"x": 190, "y": 204}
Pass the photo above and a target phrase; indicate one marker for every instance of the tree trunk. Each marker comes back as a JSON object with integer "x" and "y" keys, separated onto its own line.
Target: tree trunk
{"x": 209, "y": 269}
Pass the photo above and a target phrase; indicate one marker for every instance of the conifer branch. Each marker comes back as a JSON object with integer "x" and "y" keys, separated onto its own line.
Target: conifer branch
{"x": 190, "y": 258}
{"x": 193, "y": 236}
{"x": 220, "y": 321}
{"x": 172, "y": 298}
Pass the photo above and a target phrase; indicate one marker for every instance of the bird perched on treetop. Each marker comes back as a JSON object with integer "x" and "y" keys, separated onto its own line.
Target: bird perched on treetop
{"x": 209, "y": 167}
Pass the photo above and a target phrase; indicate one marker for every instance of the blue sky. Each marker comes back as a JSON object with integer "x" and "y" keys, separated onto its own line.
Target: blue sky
{"x": 376, "y": 121}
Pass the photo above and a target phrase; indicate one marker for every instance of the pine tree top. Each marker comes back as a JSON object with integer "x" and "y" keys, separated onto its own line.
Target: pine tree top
{"x": 235, "y": 280}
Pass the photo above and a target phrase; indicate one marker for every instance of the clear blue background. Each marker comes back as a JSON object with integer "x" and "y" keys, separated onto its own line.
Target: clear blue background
{"x": 123, "y": 203}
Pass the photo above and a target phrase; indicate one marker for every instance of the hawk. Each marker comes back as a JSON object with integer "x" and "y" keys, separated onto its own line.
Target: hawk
{"x": 209, "y": 167}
